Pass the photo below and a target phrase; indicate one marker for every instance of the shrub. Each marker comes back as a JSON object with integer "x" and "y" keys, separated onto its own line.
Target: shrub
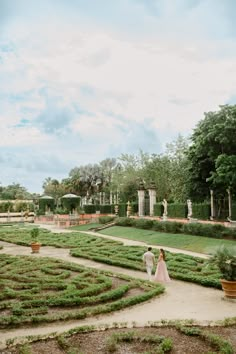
{"x": 202, "y": 211}
{"x": 125, "y": 222}
{"x": 158, "y": 209}
{"x": 90, "y": 209}
{"x": 106, "y": 219}
{"x": 143, "y": 223}
{"x": 60, "y": 211}
{"x": 177, "y": 210}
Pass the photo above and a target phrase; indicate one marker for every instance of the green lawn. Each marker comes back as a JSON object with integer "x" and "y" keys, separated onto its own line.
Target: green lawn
{"x": 186, "y": 242}
{"x": 85, "y": 227}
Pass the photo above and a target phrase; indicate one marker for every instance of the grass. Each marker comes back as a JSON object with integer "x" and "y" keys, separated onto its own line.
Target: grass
{"x": 85, "y": 227}
{"x": 185, "y": 242}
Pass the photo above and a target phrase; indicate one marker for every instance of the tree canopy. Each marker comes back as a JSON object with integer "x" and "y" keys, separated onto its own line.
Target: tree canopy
{"x": 212, "y": 155}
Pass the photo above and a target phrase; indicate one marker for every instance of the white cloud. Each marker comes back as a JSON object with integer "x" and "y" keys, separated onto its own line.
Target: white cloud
{"x": 98, "y": 89}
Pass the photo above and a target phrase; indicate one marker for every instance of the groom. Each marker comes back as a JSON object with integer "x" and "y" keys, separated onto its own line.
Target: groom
{"x": 149, "y": 261}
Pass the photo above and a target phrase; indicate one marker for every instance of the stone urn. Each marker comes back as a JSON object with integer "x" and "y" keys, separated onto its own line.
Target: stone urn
{"x": 35, "y": 246}
{"x": 229, "y": 287}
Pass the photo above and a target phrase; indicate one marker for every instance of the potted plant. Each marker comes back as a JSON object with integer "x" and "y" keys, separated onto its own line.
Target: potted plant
{"x": 225, "y": 259}
{"x": 35, "y": 245}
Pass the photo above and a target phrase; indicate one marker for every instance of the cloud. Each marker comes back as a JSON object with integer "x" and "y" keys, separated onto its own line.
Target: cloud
{"x": 86, "y": 85}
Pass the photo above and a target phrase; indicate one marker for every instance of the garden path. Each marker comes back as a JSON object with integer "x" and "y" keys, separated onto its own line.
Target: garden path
{"x": 125, "y": 241}
{"x": 181, "y": 300}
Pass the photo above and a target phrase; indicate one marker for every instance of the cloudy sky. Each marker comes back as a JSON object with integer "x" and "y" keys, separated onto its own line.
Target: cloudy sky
{"x": 83, "y": 80}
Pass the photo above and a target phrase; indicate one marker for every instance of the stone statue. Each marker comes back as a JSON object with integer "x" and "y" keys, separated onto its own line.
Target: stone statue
{"x": 190, "y": 209}
{"x": 164, "y": 203}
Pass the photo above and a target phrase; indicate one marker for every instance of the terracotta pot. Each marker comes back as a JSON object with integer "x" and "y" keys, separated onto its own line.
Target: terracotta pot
{"x": 35, "y": 246}
{"x": 229, "y": 288}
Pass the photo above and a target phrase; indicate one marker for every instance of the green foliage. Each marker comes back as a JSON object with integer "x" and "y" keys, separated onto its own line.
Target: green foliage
{"x": 158, "y": 209}
{"x": 6, "y": 206}
{"x": 122, "y": 209}
{"x": 106, "y": 209}
{"x": 14, "y": 191}
{"x": 201, "y": 211}
{"x": 111, "y": 252}
{"x": 34, "y": 234}
{"x": 23, "y": 206}
{"x": 90, "y": 209}
{"x": 225, "y": 259}
{"x": 177, "y": 210}
{"x": 39, "y": 286}
{"x": 45, "y": 204}
{"x": 195, "y": 228}
{"x": 212, "y": 153}
{"x": 60, "y": 211}
{"x": 106, "y": 219}
{"x": 70, "y": 204}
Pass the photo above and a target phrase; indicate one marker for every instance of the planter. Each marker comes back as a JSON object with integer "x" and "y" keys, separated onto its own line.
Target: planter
{"x": 35, "y": 246}
{"x": 229, "y": 288}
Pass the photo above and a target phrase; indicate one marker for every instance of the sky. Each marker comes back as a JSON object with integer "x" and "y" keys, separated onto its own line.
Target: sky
{"x": 84, "y": 80}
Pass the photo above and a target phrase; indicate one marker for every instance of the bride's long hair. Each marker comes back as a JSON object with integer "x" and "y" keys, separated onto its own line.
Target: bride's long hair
{"x": 163, "y": 253}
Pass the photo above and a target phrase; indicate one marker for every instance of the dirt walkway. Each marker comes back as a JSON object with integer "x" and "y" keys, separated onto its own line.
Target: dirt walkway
{"x": 181, "y": 300}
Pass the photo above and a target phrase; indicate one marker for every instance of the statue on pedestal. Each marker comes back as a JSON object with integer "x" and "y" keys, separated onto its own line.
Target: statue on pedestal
{"x": 190, "y": 209}
{"x": 165, "y": 204}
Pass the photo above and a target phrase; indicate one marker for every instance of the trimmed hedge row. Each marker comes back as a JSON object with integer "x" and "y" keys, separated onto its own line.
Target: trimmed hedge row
{"x": 110, "y": 209}
{"x": 201, "y": 211}
{"x": 180, "y": 210}
{"x": 175, "y": 227}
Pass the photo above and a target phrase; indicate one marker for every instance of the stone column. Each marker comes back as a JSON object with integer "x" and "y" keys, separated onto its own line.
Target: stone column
{"x": 230, "y": 203}
{"x": 212, "y": 205}
{"x": 100, "y": 198}
{"x": 111, "y": 199}
{"x": 141, "y": 199}
{"x": 152, "y": 200}
{"x": 117, "y": 197}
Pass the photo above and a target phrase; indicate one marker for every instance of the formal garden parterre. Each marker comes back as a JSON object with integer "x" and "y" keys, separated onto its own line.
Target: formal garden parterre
{"x": 42, "y": 290}
{"x": 180, "y": 266}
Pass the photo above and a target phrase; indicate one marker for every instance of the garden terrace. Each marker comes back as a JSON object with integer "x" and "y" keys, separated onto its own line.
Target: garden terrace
{"x": 41, "y": 290}
{"x": 180, "y": 266}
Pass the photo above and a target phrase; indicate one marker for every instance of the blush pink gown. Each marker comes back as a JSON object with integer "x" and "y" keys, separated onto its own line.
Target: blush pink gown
{"x": 161, "y": 274}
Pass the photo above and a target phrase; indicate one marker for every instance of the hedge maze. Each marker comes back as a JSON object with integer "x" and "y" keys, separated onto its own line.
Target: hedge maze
{"x": 46, "y": 290}
{"x": 180, "y": 266}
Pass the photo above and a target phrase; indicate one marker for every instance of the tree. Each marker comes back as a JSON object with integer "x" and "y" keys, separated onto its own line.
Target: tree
{"x": 212, "y": 153}
{"x": 14, "y": 191}
{"x": 54, "y": 188}
{"x": 178, "y": 169}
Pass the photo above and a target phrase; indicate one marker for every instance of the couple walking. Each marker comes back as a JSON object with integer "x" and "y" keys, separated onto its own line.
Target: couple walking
{"x": 161, "y": 274}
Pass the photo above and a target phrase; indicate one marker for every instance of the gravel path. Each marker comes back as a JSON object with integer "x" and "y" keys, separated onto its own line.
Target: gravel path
{"x": 181, "y": 300}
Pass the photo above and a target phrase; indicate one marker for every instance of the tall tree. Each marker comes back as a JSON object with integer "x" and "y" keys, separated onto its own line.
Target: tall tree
{"x": 212, "y": 153}
{"x": 178, "y": 169}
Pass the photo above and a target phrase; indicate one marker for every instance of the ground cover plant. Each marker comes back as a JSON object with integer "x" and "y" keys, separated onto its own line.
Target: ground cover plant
{"x": 170, "y": 337}
{"x": 180, "y": 266}
{"x": 176, "y": 227}
{"x": 186, "y": 242}
{"x": 39, "y": 290}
